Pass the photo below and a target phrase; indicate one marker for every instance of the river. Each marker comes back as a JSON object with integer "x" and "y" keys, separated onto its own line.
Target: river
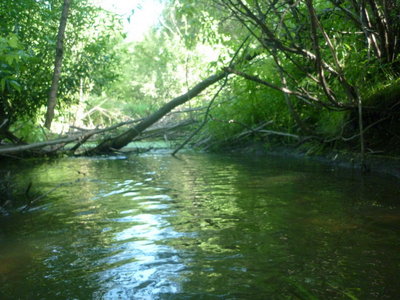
{"x": 201, "y": 226}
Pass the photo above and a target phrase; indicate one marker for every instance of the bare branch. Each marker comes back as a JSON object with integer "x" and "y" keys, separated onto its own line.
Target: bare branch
{"x": 273, "y": 86}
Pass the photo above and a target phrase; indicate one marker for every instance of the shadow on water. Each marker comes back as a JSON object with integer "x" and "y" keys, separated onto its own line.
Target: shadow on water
{"x": 201, "y": 227}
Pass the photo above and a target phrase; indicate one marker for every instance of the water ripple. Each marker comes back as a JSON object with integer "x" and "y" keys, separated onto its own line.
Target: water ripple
{"x": 204, "y": 227}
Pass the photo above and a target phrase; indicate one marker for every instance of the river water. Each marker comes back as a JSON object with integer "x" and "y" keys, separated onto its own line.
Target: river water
{"x": 201, "y": 227}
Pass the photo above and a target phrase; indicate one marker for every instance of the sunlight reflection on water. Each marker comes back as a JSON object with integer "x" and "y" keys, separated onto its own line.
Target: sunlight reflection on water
{"x": 202, "y": 227}
{"x": 143, "y": 268}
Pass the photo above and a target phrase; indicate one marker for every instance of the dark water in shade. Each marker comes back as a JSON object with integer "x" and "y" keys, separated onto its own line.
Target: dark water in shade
{"x": 202, "y": 227}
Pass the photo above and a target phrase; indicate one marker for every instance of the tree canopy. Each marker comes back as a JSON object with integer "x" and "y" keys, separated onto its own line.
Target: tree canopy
{"x": 298, "y": 72}
{"x": 28, "y": 38}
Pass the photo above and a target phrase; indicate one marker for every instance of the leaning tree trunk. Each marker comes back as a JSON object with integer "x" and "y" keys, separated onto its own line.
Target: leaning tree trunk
{"x": 126, "y": 137}
{"x": 52, "y": 100}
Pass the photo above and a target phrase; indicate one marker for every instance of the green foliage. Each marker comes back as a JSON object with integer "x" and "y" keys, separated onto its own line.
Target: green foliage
{"x": 251, "y": 105}
{"x": 157, "y": 69}
{"x": 29, "y": 131}
{"x": 113, "y": 80}
{"x": 200, "y": 22}
{"x": 358, "y": 65}
{"x": 330, "y": 123}
{"x": 11, "y": 56}
{"x": 28, "y": 31}
{"x": 382, "y": 95}
{"x": 28, "y": 24}
{"x": 301, "y": 292}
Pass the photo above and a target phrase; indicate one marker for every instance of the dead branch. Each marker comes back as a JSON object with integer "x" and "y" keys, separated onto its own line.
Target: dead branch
{"x": 275, "y": 87}
{"x": 126, "y": 137}
{"x": 258, "y": 129}
{"x": 206, "y": 115}
{"x": 62, "y": 141}
{"x": 4, "y": 123}
{"x": 204, "y": 119}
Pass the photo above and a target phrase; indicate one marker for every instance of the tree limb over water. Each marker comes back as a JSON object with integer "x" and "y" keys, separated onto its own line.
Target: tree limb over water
{"x": 125, "y": 138}
{"x": 111, "y": 144}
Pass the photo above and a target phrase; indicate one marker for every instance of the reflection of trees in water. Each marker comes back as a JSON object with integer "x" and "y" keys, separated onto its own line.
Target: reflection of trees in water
{"x": 204, "y": 225}
{"x": 61, "y": 234}
{"x": 270, "y": 231}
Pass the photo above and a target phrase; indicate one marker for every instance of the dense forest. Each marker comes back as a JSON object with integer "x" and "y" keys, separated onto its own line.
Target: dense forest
{"x": 287, "y": 113}
{"x": 310, "y": 74}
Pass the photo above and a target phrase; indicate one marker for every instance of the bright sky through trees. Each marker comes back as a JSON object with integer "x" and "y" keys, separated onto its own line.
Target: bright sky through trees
{"x": 138, "y": 15}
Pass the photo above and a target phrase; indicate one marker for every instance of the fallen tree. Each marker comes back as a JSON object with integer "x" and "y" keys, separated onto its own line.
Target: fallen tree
{"x": 58, "y": 145}
{"x": 43, "y": 147}
{"x": 126, "y": 137}
{"x": 115, "y": 143}
{"x": 111, "y": 144}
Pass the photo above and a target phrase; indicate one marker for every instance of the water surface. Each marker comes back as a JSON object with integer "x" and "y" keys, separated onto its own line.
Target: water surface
{"x": 201, "y": 227}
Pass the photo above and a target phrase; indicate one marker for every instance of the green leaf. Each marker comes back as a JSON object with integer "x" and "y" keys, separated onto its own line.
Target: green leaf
{"x": 347, "y": 46}
{"x": 11, "y": 58}
{"x": 3, "y": 84}
{"x": 15, "y": 85}
{"x": 13, "y": 41}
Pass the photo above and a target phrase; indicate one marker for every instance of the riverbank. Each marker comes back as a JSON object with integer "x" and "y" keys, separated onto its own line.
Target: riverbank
{"x": 376, "y": 164}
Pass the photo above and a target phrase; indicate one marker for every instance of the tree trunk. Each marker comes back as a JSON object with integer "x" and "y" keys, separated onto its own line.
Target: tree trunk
{"x": 52, "y": 100}
{"x": 126, "y": 137}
